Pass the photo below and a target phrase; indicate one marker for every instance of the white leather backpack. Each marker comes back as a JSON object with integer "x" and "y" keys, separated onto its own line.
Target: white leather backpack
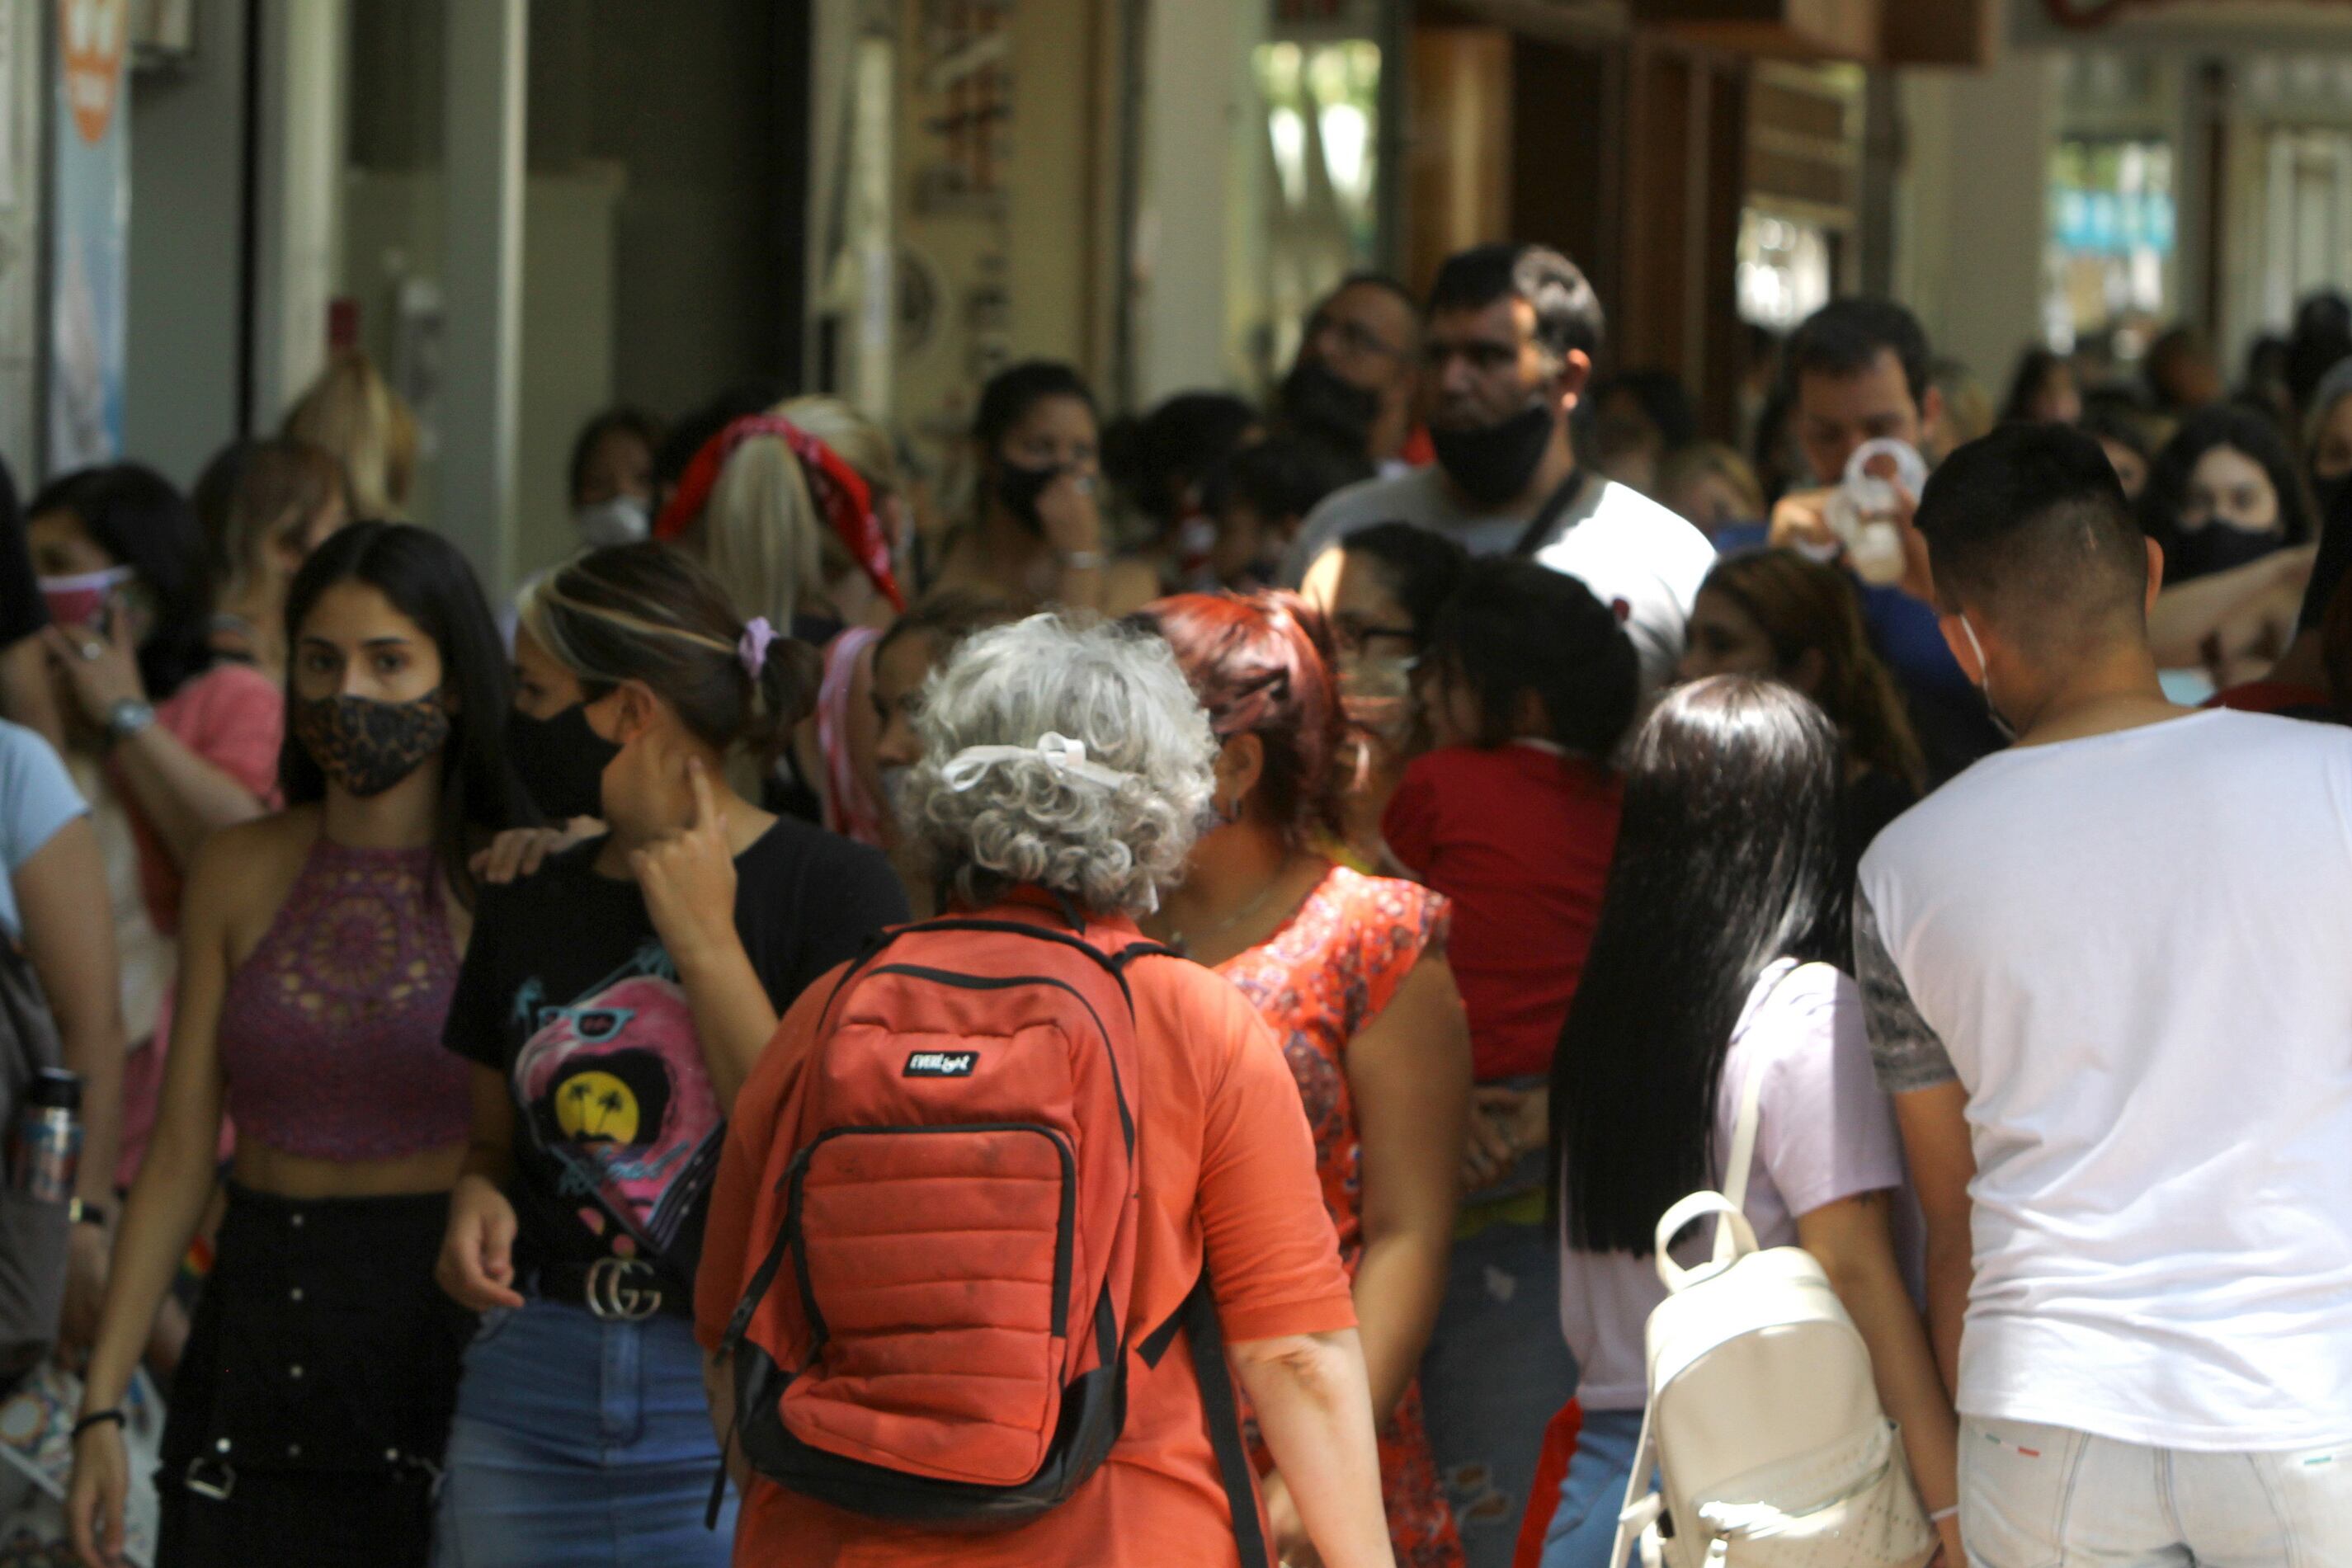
{"x": 1763, "y": 1420}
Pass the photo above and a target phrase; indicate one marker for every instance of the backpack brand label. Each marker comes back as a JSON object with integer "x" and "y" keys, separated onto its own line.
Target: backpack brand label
{"x": 942, "y": 1064}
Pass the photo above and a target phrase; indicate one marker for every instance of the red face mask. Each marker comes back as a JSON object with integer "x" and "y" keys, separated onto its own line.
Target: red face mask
{"x": 81, "y": 600}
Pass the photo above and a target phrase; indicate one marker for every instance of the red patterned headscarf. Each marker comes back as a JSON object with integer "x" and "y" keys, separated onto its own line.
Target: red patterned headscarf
{"x": 839, "y": 490}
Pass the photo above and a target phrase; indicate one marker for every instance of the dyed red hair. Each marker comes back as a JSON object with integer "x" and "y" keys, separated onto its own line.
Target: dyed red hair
{"x": 1262, "y": 664}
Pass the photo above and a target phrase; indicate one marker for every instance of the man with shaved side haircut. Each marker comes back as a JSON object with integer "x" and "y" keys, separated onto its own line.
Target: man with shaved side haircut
{"x": 2107, "y": 990}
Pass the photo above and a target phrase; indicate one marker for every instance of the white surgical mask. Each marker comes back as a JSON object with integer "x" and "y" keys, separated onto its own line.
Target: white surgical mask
{"x": 621, "y": 520}
{"x": 1984, "y": 671}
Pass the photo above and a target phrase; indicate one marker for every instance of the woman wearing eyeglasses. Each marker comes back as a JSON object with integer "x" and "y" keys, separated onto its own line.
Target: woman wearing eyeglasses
{"x": 613, "y": 1004}
{"x": 1380, "y": 592}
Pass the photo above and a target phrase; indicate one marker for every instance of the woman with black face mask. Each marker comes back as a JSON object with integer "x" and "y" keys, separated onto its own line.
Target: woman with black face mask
{"x": 1036, "y": 536}
{"x": 320, "y": 950}
{"x": 2228, "y": 504}
{"x": 612, "y": 1005}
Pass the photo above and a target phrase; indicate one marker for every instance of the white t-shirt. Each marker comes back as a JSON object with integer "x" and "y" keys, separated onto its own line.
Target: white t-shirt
{"x": 2134, "y": 951}
{"x": 1823, "y": 1131}
{"x": 1627, "y": 548}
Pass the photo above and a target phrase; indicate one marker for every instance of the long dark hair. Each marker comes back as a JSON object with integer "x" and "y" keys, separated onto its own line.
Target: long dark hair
{"x": 1013, "y": 391}
{"x": 426, "y": 579}
{"x": 1513, "y": 627}
{"x": 2034, "y": 368}
{"x": 140, "y": 519}
{"x": 2242, "y": 429}
{"x": 1727, "y": 860}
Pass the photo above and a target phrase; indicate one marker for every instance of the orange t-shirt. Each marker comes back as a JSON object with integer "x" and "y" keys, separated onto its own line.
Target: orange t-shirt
{"x": 1228, "y": 1166}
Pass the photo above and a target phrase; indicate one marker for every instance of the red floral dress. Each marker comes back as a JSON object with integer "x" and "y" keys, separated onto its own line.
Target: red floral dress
{"x": 1320, "y": 982}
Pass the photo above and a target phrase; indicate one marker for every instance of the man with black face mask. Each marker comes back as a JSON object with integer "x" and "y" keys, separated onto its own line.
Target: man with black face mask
{"x": 1352, "y": 385}
{"x": 1509, "y": 342}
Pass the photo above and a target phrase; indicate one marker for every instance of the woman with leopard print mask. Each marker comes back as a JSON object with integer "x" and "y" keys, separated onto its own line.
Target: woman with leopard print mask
{"x": 320, "y": 950}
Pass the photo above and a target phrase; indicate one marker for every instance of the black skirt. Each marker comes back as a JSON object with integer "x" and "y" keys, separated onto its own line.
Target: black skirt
{"x": 312, "y": 1405}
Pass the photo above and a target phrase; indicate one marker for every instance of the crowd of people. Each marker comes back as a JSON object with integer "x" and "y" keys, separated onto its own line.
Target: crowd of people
{"x": 1443, "y": 814}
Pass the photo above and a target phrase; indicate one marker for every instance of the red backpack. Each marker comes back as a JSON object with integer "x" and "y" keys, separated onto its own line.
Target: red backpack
{"x": 955, "y": 1181}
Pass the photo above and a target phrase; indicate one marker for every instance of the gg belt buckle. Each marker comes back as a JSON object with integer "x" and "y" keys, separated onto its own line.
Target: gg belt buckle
{"x": 210, "y": 1477}
{"x": 614, "y": 1293}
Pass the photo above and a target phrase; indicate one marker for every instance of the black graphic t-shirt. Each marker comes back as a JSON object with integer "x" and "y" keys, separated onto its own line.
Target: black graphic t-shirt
{"x": 568, "y": 990}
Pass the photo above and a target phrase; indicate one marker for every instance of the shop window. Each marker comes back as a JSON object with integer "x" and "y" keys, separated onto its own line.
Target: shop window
{"x": 2113, "y": 224}
{"x": 1786, "y": 266}
{"x": 1315, "y": 72}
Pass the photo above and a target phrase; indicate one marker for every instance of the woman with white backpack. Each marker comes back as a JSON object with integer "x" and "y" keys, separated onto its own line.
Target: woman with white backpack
{"x": 1713, "y": 964}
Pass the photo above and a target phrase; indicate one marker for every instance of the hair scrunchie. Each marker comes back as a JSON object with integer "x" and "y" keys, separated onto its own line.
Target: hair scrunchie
{"x": 758, "y": 638}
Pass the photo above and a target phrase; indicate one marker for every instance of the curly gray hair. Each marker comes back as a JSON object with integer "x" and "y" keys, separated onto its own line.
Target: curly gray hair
{"x": 1020, "y": 819}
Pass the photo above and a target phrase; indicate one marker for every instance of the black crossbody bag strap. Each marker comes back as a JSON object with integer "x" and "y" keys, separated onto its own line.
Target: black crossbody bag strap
{"x": 1538, "y": 529}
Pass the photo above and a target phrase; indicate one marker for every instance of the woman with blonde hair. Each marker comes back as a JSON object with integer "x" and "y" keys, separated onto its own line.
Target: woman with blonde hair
{"x": 352, "y": 412}
{"x": 286, "y": 498}
{"x": 787, "y": 508}
{"x": 790, "y": 510}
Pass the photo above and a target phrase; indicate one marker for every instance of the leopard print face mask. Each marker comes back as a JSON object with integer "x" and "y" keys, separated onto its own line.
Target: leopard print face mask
{"x": 366, "y": 745}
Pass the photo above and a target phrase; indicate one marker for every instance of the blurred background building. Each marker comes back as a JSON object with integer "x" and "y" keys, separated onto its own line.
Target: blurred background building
{"x": 528, "y": 210}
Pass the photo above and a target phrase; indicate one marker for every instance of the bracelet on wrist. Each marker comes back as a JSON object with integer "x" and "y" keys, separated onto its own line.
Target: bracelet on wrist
{"x": 99, "y": 1419}
{"x": 1941, "y": 1514}
{"x": 1081, "y": 560}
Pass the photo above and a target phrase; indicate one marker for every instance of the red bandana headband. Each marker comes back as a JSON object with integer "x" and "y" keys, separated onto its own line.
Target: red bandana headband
{"x": 840, "y": 492}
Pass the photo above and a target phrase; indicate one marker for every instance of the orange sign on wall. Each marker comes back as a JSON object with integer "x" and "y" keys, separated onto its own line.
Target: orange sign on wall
{"x": 91, "y": 37}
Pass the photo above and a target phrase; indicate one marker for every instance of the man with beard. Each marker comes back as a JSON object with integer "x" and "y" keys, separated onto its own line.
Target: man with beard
{"x": 1511, "y": 336}
{"x": 1352, "y": 385}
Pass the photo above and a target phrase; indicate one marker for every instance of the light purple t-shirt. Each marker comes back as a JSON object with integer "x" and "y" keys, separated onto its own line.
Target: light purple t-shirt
{"x": 1824, "y": 1133}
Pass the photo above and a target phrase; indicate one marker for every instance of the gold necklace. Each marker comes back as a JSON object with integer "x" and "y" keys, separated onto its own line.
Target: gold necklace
{"x": 1178, "y": 940}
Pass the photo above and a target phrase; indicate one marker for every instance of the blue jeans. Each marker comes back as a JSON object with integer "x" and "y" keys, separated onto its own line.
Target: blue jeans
{"x": 1592, "y": 1493}
{"x": 580, "y": 1443}
{"x": 1495, "y": 1373}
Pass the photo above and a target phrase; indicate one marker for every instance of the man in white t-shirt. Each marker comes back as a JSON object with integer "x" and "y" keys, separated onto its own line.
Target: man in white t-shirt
{"x": 2107, "y": 987}
{"x": 1506, "y": 353}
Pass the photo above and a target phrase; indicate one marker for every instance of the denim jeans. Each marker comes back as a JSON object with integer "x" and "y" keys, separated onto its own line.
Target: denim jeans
{"x": 2035, "y": 1497}
{"x": 580, "y": 1442}
{"x": 1496, "y": 1372}
{"x": 1592, "y": 1493}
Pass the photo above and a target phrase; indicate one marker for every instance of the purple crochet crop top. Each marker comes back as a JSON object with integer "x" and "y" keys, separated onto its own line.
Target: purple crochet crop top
{"x": 330, "y": 1030}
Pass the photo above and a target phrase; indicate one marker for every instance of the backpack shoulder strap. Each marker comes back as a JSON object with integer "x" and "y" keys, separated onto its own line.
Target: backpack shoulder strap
{"x": 1223, "y": 1412}
{"x": 1642, "y": 1503}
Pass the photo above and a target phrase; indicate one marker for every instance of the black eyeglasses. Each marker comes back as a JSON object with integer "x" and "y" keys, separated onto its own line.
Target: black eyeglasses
{"x": 1356, "y": 631}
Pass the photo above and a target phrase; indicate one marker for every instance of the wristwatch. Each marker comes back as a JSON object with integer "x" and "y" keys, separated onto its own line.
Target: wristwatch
{"x": 127, "y": 717}
{"x": 83, "y": 1213}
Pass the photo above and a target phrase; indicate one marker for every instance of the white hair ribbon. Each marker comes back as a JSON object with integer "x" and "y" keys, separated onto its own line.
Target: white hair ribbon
{"x": 1065, "y": 757}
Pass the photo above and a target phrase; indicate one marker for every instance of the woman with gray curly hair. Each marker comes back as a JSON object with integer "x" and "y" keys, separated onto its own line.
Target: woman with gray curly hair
{"x": 1065, "y": 775}
{"x": 997, "y": 804}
